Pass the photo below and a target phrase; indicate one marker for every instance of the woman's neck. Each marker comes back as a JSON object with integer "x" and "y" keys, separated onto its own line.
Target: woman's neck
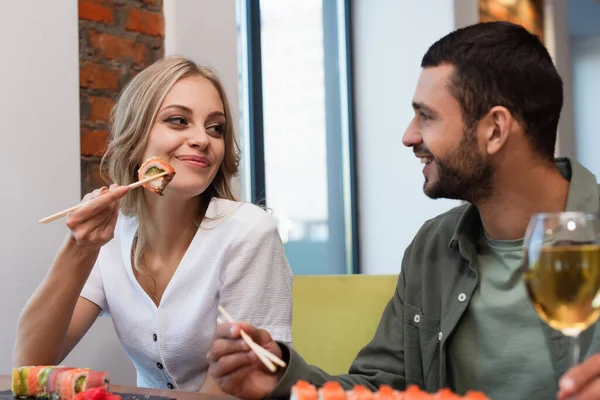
{"x": 171, "y": 225}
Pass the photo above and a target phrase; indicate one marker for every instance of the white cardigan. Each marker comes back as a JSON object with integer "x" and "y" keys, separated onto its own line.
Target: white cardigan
{"x": 236, "y": 259}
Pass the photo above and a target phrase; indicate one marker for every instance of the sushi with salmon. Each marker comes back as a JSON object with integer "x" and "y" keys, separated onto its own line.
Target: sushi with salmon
{"x": 447, "y": 394}
{"x": 154, "y": 166}
{"x": 303, "y": 390}
{"x": 359, "y": 392}
{"x": 70, "y": 383}
{"x": 332, "y": 391}
{"x": 385, "y": 392}
{"x": 55, "y": 382}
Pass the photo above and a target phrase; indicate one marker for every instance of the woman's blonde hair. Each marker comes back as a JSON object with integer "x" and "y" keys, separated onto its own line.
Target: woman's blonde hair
{"x": 131, "y": 121}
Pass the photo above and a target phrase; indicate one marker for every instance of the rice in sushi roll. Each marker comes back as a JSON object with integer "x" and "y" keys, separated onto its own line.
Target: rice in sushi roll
{"x": 155, "y": 166}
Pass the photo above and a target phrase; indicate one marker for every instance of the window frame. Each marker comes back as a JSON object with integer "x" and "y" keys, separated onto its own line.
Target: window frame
{"x": 340, "y": 130}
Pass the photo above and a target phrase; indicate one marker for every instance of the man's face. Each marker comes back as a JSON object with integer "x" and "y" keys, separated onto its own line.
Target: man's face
{"x": 455, "y": 167}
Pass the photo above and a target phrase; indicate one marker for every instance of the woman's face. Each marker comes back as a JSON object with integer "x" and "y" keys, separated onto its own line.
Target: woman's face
{"x": 188, "y": 133}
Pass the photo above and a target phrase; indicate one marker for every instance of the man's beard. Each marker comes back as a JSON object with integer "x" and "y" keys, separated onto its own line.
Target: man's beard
{"x": 463, "y": 174}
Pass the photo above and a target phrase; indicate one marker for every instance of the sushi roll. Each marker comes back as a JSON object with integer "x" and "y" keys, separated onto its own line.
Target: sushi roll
{"x": 33, "y": 381}
{"x": 359, "y": 392}
{"x": 20, "y": 379}
{"x": 97, "y": 379}
{"x": 155, "y": 166}
{"x": 399, "y": 395}
{"x": 52, "y": 381}
{"x": 303, "y": 390}
{"x": 413, "y": 392}
{"x": 43, "y": 380}
{"x": 446, "y": 394}
{"x": 332, "y": 391}
{"x": 70, "y": 383}
{"x": 56, "y": 382}
{"x": 385, "y": 393}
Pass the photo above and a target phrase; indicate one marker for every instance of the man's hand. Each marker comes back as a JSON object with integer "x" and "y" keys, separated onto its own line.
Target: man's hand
{"x": 235, "y": 368}
{"x": 581, "y": 382}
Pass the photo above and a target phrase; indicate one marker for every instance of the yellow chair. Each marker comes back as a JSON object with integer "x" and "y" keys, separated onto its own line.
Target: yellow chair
{"x": 334, "y": 316}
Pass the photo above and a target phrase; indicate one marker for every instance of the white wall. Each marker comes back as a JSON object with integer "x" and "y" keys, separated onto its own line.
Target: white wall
{"x": 556, "y": 31}
{"x": 390, "y": 38}
{"x": 206, "y": 31}
{"x": 586, "y": 88}
{"x": 39, "y": 110}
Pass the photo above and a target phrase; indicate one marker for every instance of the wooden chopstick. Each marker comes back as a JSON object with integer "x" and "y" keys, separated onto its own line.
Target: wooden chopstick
{"x": 134, "y": 185}
{"x": 263, "y": 354}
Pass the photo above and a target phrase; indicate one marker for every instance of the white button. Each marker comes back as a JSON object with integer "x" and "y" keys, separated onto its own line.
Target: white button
{"x": 417, "y": 318}
{"x": 462, "y": 297}
{"x": 440, "y": 336}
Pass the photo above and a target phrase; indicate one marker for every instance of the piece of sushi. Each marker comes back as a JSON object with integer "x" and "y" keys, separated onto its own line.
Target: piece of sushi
{"x": 70, "y": 383}
{"x": 398, "y": 395}
{"x": 413, "y": 392}
{"x": 155, "y": 166}
{"x": 56, "y": 382}
{"x": 20, "y": 378}
{"x": 385, "y": 392}
{"x": 33, "y": 381}
{"x": 53, "y": 380}
{"x": 42, "y": 377}
{"x": 332, "y": 391}
{"x": 359, "y": 392}
{"x": 97, "y": 379}
{"x": 303, "y": 390}
{"x": 446, "y": 394}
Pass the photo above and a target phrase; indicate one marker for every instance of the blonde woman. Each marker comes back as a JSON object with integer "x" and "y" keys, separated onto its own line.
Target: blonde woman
{"x": 160, "y": 265}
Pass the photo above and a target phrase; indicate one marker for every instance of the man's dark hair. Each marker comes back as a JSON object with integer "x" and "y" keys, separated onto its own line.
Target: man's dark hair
{"x": 502, "y": 64}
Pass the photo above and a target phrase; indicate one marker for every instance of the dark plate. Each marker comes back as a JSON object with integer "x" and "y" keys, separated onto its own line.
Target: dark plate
{"x": 8, "y": 395}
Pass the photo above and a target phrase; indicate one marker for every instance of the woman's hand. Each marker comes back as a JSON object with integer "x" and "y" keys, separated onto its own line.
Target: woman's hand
{"x": 93, "y": 224}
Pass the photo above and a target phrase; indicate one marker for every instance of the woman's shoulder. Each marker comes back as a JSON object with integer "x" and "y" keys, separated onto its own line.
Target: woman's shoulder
{"x": 126, "y": 225}
{"x": 242, "y": 215}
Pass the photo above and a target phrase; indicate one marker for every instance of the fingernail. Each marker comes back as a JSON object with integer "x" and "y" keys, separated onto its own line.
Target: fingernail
{"x": 567, "y": 384}
{"x": 232, "y": 330}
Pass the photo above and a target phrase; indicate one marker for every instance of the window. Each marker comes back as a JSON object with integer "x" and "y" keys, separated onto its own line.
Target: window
{"x": 297, "y": 128}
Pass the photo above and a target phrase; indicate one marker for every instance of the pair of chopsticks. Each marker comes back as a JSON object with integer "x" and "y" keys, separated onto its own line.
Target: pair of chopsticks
{"x": 134, "y": 185}
{"x": 263, "y": 354}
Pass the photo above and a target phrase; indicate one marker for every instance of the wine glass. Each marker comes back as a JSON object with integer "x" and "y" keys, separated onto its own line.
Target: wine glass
{"x": 561, "y": 271}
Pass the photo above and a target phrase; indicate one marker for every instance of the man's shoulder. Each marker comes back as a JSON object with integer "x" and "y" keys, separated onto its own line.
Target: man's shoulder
{"x": 443, "y": 226}
{"x": 432, "y": 255}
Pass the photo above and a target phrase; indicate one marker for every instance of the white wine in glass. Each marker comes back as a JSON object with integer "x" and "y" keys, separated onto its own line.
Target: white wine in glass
{"x": 561, "y": 271}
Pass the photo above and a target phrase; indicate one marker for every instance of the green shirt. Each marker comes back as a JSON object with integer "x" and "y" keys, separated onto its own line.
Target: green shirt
{"x": 500, "y": 331}
{"x": 434, "y": 290}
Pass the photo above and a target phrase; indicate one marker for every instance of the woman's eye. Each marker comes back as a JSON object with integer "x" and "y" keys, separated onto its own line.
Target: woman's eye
{"x": 178, "y": 121}
{"x": 219, "y": 129}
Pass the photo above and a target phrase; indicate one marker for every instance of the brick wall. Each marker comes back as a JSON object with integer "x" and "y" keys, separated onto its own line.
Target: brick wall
{"x": 117, "y": 39}
{"x": 528, "y": 13}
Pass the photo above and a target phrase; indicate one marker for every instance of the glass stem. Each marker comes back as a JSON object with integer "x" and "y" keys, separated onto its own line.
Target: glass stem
{"x": 574, "y": 345}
